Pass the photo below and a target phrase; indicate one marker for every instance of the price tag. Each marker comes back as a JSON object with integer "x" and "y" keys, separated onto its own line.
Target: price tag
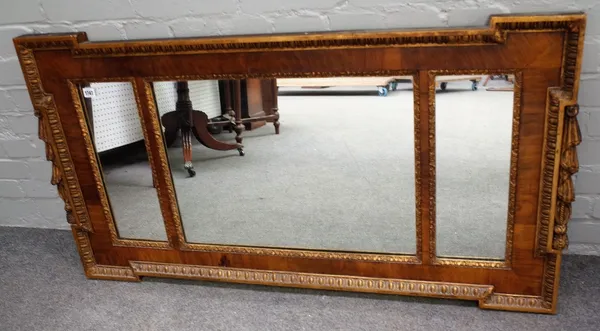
{"x": 89, "y": 92}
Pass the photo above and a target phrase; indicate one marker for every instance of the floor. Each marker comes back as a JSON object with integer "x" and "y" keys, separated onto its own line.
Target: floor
{"x": 339, "y": 177}
{"x": 42, "y": 287}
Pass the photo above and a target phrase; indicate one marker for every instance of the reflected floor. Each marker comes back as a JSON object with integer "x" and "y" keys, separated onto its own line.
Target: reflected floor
{"x": 328, "y": 181}
{"x": 133, "y": 199}
{"x": 472, "y": 167}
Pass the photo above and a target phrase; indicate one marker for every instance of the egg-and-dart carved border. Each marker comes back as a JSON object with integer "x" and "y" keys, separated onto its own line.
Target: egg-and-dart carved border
{"x": 496, "y": 33}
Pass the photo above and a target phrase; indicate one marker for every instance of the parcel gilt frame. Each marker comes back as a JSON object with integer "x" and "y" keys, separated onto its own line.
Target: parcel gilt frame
{"x": 543, "y": 52}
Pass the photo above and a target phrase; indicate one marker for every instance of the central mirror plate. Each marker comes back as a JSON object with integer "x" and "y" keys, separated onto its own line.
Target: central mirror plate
{"x": 339, "y": 175}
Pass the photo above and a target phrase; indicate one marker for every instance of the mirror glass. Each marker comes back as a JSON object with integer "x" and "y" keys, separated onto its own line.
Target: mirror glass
{"x": 116, "y": 130}
{"x": 473, "y": 134}
{"x": 312, "y": 163}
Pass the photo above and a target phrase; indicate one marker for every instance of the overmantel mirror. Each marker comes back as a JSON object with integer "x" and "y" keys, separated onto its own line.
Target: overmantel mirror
{"x": 429, "y": 163}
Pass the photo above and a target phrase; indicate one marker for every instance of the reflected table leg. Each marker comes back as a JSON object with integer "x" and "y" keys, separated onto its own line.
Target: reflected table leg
{"x": 190, "y": 121}
{"x": 239, "y": 125}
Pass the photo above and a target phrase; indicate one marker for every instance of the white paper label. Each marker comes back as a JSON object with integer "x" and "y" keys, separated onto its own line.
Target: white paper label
{"x": 89, "y": 92}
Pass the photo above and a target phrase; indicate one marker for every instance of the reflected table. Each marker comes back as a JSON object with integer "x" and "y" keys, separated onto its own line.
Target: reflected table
{"x": 189, "y": 121}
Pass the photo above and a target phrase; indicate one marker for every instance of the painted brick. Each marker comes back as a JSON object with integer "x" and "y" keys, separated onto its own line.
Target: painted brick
{"x": 193, "y": 28}
{"x": 593, "y": 124}
{"x": 473, "y": 16}
{"x": 10, "y": 72}
{"x": 54, "y": 28}
{"x": 40, "y": 169}
{"x": 90, "y": 10}
{"x": 583, "y": 231}
{"x": 583, "y": 118}
{"x": 178, "y": 8}
{"x": 7, "y": 48}
{"x": 589, "y": 153}
{"x": 593, "y": 20}
{"x": 6, "y": 131}
{"x": 591, "y": 55}
{"x": 251, "y": 24}
{"x": 21, "y": 12}
{"x": 22, "y": 148}
{"x": 596, "y": 212}
{"x": 299, "y": 24}
{"x": 12, "y": 169}
{"x": 11, "y": 189}
{"x": 38, "y": 189}
{"x": 53, "y": 212}
{"x": 146, "y": 30}
{"x": 6, "y": 105}
{"x": 415, "y": 17}
{"x": 356, "y": 21}
{"x": 378, "y": 3}
{"x": 264, "y": 6}
{"x": 101, "y": 31}
{"x": 40, "y": 147}
{"x": 27, "y": 124}
{"x": 582, "y": 207}
{"x": 587, "y": 182}
{"x": 16, "y": 212}
{"x": 20, "y": 98}
{"x": 541, "y": 6}
{"x": 588, "y": 92}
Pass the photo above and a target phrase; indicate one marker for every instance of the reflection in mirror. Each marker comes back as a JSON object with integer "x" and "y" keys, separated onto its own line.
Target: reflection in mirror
{"x": 473, "y": 134}
{"x": 116, "y": 131}
{"x": 339, "y": 175}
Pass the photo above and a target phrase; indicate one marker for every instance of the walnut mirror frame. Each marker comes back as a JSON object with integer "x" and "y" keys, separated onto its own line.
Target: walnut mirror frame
{"x": 542, "y": 52}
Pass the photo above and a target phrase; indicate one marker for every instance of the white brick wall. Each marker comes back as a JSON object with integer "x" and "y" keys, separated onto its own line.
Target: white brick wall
{"x": 26, "y": 197}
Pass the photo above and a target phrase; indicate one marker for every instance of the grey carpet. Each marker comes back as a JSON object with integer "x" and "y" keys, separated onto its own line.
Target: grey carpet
{"x": 340, "y": 176}
{"x": 42, "y": 287}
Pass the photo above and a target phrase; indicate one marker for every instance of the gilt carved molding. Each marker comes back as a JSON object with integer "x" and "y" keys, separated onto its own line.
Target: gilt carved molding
{"x": 97, "y": 271}
{"x": 514, "y": 159}
{"x": 416, "y": 85}
{"x": 496, "y": 33}
{"x": 502, "y": 301}
{"x": 57, "y": 151}
{"x": 569, "y": 165}
{"x": 559, "y": 164}
{"x": 323, "y": 281}
{"x": 484, "y": 294}
{"x": 97, "y": 173}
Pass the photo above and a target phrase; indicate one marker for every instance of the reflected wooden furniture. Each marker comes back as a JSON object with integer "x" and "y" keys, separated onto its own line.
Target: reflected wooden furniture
{"x": 185, "y": 121}
{"x": 509, "y": 78}
{"x": 442, "y": 81}
{"x": 542, "y": 52}
{"x": 254, "y": 101}
{"x": 383, "y": 84}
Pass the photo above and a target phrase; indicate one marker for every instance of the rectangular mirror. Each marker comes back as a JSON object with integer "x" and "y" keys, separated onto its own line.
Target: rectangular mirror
{"x": 473, "y": 146}
{"x": 115, "y": 127}
{"x": 339, "y": 176}
{"x": 372, "y": 161}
